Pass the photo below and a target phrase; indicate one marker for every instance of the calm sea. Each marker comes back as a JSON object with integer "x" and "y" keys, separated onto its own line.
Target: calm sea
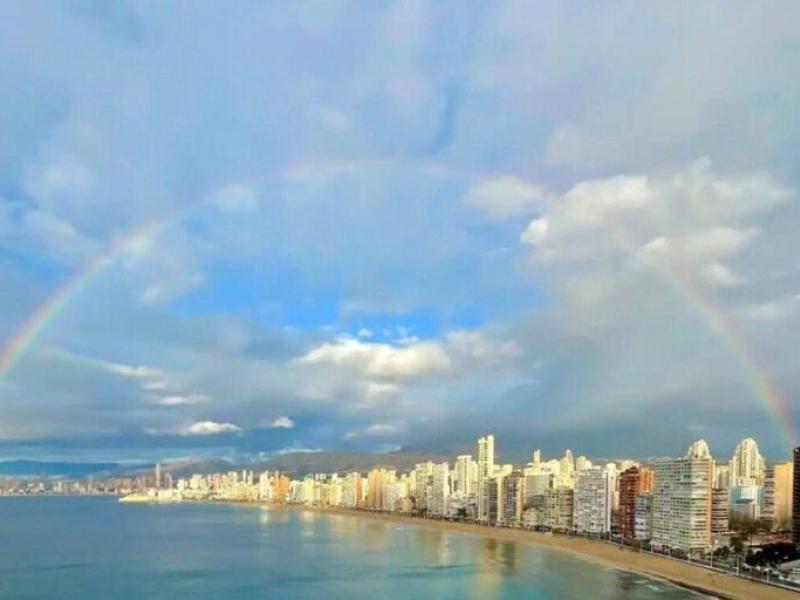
{"x": 97, "y": 548}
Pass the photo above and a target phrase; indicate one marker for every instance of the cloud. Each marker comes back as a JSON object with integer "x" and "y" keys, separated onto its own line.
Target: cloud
{"x": 504, "y": 197}
{"x": 376, "y": 430}
{"x": 210, "y": 428}
{"x": 178, "y": 400}
{"x": 685, "y": 224}
{"x": 379, "y": 360}
{"x": 282, "y": 423}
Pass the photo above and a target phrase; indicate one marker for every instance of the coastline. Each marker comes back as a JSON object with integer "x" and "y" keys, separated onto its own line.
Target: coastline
{"x": 679, "y": 573}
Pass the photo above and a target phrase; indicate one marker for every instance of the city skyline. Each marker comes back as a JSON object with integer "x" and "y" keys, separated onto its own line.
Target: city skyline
{"x": 396, "y": 227}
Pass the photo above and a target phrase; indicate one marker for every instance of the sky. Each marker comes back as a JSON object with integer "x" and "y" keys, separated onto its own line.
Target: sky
{"x": 257, "y": 228}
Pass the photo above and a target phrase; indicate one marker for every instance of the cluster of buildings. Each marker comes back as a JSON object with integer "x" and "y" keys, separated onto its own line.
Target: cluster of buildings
{"x": 685, "y": 505}
{"x": 69, "y": 486}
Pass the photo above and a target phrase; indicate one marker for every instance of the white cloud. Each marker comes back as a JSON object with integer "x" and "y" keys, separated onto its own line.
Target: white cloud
{"x": 381, "y": 361}
{"x": 209, "y": 428}
{"x": 719, "y": 275}
{"x": 181, "y": 400}
{"x": 688, "y": 224}
{"x": 504, "y": 197}
{"x": 774, "y": 311}
{"x": 36, "y": 231}
{"x": 283, "y": 422}
{"x": 376, "y": 430}
{"x": 381, "y": 389}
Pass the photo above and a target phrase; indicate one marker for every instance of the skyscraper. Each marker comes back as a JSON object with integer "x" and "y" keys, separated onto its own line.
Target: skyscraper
{"x": 747, "y": 464}
{"x": 682, "y": 503}
{"x": 158, "y": 475}
{"x": 698, "y": 449}
{"x": 593, "y": 500}
{"x": 629, "y": 488}
{"x": 485, "y": 471}
{"x": 720, "y": 511}
{"x": 440, "y": 489}
{"x": 558, "y": 509}
{"x": 784, "y": 475}
{"x": 512, "y": 497}
{"x": 465, "y": 475}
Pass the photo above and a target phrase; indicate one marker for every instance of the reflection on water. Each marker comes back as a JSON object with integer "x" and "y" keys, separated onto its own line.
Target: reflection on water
{"x": 202, "y": 552}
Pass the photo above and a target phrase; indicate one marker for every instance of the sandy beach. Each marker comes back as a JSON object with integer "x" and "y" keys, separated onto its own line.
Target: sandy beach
{"x": 681, "y": 573}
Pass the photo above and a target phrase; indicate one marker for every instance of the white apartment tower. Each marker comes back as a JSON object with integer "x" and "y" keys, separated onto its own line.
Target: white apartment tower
{"x": 747, "y": 464}
{"x": 440, "y": 489}
{"x": 593, "y": 500}
{"x": 485, "y": 470}
{"x": 682, "y": 503}
{"x": 465, "y": 475}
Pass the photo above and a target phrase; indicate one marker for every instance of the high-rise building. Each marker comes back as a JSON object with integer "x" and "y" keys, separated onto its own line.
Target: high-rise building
{"x": 440, "y": 490}
{"x": 722, "y": 477}
{"x": 377, "y": 479}
{"x": 423, "y": 472}
{"x": 335, "y": 494}
{"x": 747, "y": 464}
{"x": 158, "y": 475}
{"x": 630, "y": 485}
{"x": 464, "y": 481}
{"x": 647, "y": 480}
{"x": 698, "y": 449}
{"x": 512, "y": 498}
{"x": 720, "y": 511}
{"x": 352, "y": 490}
{"x": 796, "y": 498}
{"x": 536, "y": 484}
{"x": 776, "y": 495}
{"x": 644, "y": 516}
{"x": 567, "y": 463}
{"x": 682, "y": 503}
{"x": 558, "y": 509}
{"x": 593, "y": 500}
{"x": 491, "y": 498}
{"x": 486, "y": 466}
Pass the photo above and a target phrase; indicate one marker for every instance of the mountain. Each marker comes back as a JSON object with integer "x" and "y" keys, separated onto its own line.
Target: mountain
{"x": 35, "y": 468}
{"x": 302, "y": 463}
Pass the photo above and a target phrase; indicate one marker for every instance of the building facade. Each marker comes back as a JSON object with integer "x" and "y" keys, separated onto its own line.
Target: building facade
{"x": 593, "y": 501}
{"x": 629, "y": 490}
{"x": 682, "y": 504}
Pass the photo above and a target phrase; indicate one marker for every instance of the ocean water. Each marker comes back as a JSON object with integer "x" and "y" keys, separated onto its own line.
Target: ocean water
{"x": 71, "y": 548}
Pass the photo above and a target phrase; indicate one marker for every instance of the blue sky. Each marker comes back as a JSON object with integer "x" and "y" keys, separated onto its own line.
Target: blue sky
{"x": 397, "y": 225}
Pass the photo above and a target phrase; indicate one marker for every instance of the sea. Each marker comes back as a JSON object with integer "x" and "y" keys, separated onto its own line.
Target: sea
{"x": 95, "y": 547}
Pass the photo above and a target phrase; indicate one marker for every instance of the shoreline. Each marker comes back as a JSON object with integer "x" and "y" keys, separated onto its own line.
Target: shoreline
{"x": 679, "y": 573}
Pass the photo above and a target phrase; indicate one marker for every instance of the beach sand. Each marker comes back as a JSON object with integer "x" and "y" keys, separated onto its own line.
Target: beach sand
{"x": 679, "y": 572}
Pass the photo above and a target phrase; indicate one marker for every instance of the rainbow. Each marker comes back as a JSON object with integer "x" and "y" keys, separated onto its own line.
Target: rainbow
{"x": 734, "y": 341}
{"x": 736, "y": 344}
{"x": 27, "y": 334}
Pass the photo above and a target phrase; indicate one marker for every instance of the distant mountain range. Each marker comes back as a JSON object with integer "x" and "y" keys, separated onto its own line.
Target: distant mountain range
{"x": 295, "y": 464}
{"x": 36, "y": 468}
{"x": 302, "y": 463}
